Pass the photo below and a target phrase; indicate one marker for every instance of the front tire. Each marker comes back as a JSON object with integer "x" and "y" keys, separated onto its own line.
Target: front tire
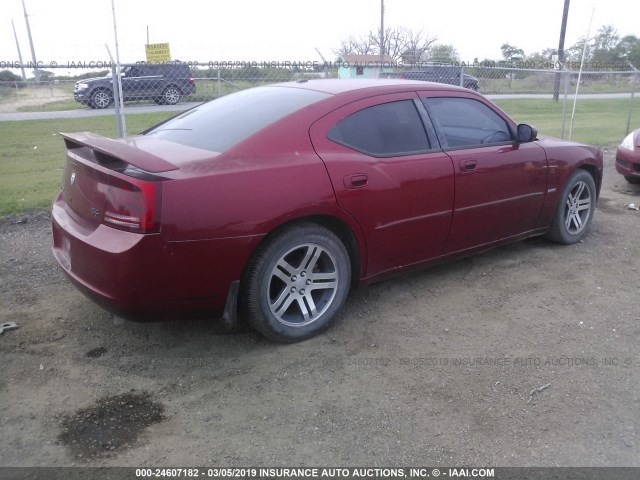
{"x": 100, "y": 99}
{"x": 575, "y": 209}
{"x": 297, "y": 283}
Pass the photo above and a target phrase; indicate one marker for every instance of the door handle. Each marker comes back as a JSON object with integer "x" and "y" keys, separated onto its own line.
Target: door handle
{"x": 468, "y": 165}
{"x": 358, "y": 180}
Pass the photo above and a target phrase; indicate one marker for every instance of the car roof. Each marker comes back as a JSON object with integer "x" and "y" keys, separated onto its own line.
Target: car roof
{"x": 336, "y": 86}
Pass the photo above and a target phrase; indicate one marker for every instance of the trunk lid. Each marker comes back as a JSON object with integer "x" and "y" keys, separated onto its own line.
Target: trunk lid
{"x": 112, "y": 182}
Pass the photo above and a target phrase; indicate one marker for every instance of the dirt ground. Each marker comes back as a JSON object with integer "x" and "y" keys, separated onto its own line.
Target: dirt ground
{"x": 525, "y": 355}
{"x": 32, "y": 97}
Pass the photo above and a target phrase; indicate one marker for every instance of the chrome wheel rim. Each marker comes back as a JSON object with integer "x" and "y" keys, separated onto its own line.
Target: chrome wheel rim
{"x": 172, "y": 96}
{"x": 302, "y": 285}
{"x": 101, "y": 99}
{"x": 578, "y": 208}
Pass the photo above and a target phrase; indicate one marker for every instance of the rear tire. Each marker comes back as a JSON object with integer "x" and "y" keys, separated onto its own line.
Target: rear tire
{"x": 170, "y": 96}
{"x": 575, "y": 209}
{"x": 297, "y": 283}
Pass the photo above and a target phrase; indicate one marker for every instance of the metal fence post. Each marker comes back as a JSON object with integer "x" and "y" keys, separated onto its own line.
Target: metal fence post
{"x": 462, "y": 76}
{"x": 566, "y": 74}
{"x": 218, "y": 84}
{"x": 116, "y": 101}
{"x": 633, "y": 91}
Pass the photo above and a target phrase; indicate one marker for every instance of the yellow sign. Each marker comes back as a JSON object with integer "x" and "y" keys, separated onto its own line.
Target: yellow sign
{"x": 157, "y": 52}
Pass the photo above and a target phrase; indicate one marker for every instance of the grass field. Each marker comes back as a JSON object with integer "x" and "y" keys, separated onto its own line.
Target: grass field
{"x": 544, "y": 83}
{"x": 32, "y": 153}
{"x": 597, "y": 122}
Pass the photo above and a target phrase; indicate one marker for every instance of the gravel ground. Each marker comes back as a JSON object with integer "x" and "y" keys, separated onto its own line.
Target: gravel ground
{"x": 523, "y": 356}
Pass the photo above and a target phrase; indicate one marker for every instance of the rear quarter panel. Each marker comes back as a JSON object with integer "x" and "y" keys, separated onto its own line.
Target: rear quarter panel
{"x": 247, "y": 192}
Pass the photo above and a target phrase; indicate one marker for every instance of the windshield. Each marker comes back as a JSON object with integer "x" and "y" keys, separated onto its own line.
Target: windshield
{"x": 220, "y": 124}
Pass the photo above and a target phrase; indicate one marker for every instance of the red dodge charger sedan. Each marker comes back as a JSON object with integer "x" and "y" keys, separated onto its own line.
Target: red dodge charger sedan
{"x": 276, "y": 201}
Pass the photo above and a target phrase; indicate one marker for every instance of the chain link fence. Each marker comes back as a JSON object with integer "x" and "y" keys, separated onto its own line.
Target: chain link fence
{"x": 560, "y": 103}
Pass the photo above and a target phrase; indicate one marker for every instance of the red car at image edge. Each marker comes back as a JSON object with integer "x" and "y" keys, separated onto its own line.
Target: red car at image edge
{"x": 274, "y": 202}
{"x": 628, "y": 158}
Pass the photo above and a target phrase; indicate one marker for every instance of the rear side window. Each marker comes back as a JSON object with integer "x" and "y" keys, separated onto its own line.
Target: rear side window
{"x": 466, "y": 122}
{"x": 220, "y": 124}
{"x": 386, "y": 130}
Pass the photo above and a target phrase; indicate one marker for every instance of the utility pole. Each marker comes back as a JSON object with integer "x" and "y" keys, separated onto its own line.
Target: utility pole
{"x": 24, "y": 77}
{"x": 381, "y": 34}
{"x": 119, "y": 102}
{"x": 36, "y": 72}
{"x": 563, "y": 31}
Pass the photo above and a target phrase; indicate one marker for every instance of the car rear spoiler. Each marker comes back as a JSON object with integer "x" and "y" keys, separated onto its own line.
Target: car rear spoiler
{"x": 123, "y": 149}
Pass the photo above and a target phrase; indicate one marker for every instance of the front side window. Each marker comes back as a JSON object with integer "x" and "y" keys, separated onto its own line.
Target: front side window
{"x": 466, "y": 122}
{"x": 386, "y": 130}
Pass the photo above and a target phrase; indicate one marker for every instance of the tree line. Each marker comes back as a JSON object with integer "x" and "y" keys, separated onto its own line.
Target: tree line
{"x": 606, "y": 50}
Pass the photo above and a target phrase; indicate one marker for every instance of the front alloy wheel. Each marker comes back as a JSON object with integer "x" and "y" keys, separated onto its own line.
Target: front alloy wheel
{"x": 297, "y": 283}
{"x": 100, "y": 99}
{"x": 575, "y": 210}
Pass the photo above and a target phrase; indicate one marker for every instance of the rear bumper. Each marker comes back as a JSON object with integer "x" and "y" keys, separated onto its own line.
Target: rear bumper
{"x": 628, "y": 163}
{"x": 143, "y": 277}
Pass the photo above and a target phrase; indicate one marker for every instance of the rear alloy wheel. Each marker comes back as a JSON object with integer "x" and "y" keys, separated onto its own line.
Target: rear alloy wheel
{"x": 632, "y": 180}
{"x": 297, "y": 283}
{"x": 100, "y": 99}
{"x": 171, "y": 96}
{"x": 575, "y": 209}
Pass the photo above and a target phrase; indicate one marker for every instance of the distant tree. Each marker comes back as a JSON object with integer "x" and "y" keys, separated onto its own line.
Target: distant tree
{"x": 356, "y": 46}
{"x": 574, "y": 53}
{"x": 7, "y": 76}
{"x": 606, "y": 38}
{"x": 45, "y": 75}
{"x": 511, "y": 53}
{"x": 628, "y": 50}
{"x": 603, "y": 51}
{"x": 399, "y": 43}
{"x": 443, "y": 53}
{"x": 417, "y": 48}
{"x": 607, "y": 50}
{"x": 482, "y": 68}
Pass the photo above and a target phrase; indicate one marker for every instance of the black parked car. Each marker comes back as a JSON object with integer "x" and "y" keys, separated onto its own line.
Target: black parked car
{"x": 448, "y": 74}
{"x": 164, "y": 83}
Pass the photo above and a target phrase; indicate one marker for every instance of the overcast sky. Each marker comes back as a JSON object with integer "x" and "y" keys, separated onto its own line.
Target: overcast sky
{"x": 290, "y": 29}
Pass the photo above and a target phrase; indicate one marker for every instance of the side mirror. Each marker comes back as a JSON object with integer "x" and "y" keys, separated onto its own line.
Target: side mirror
{"x": 527, "y": 133}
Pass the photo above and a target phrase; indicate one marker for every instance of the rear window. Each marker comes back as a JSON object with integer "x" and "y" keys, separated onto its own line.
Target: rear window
{"x": 220, "y": 124}
{"x": 386, "y": 130}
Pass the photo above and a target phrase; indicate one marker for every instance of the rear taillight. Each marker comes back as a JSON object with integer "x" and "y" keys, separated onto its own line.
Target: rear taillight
{"x": 191, "y": 81}
{"x": 132, "y": 205}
